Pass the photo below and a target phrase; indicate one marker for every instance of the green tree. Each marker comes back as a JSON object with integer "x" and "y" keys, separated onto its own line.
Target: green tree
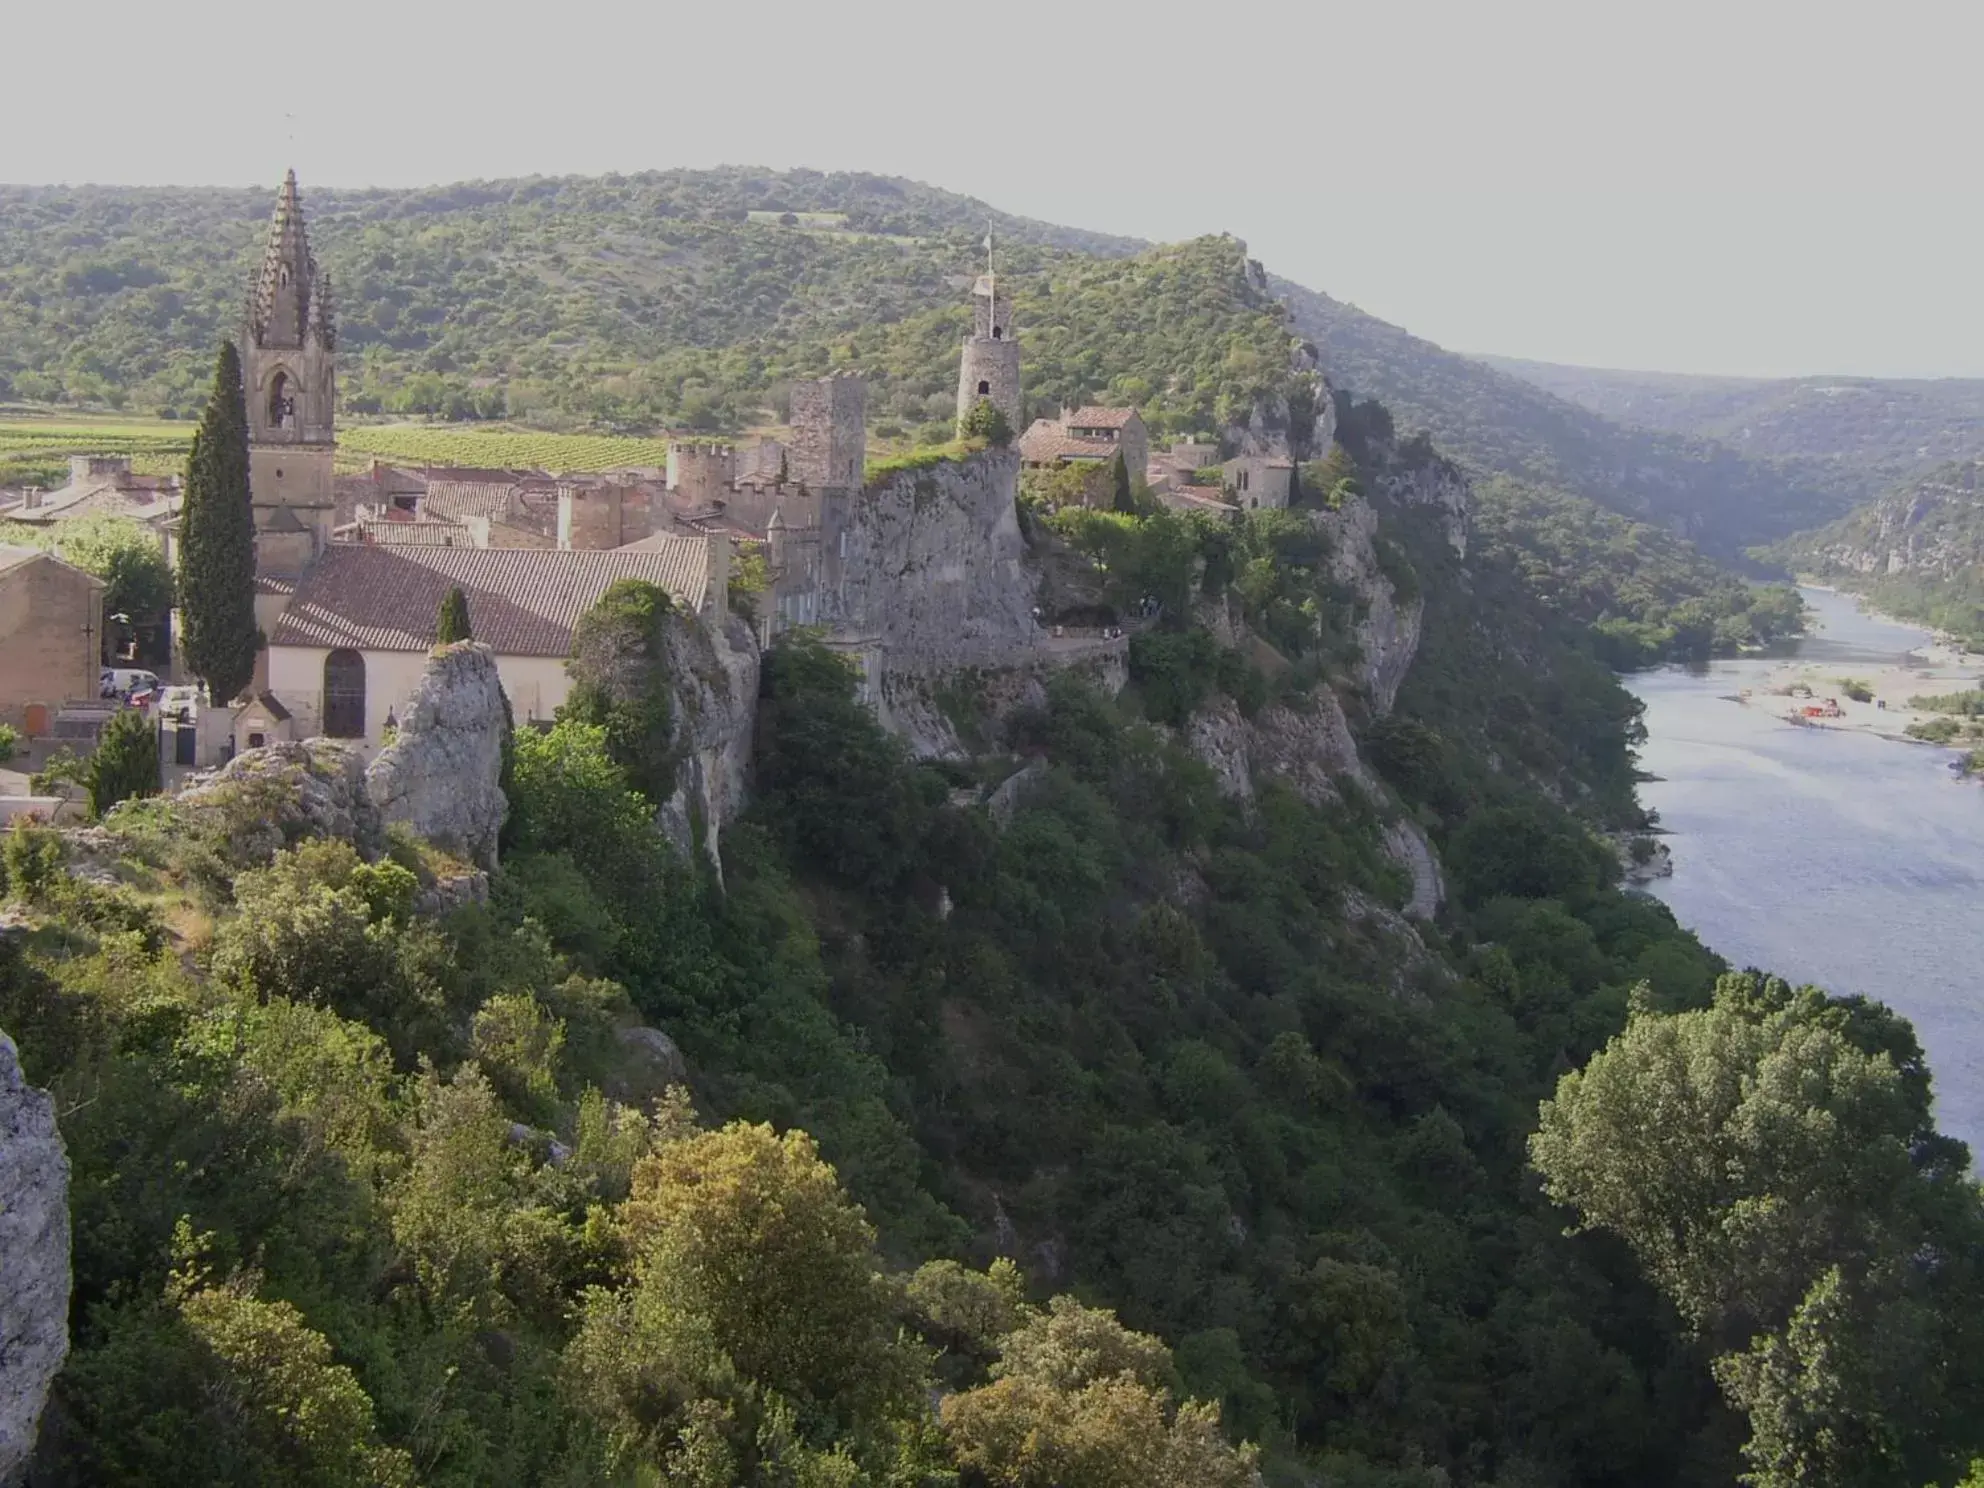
{"x": 125, "y": 764}
{"x": 1123, "y": 496}
{"x": 986, "y": 422}
{"x": 217, "y": 542}
{"x": 1771, "y": 1162}
{"x": 451, "y": 624}
{"x": 620, "y": 683}
{"x": 1079, "y": 1401}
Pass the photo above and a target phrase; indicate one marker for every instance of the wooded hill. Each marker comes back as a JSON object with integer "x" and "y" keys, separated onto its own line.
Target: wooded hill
{"x": 685, "y": 298}
{"x": 1836, "y": 430}
{"x": 1917, "y": 552}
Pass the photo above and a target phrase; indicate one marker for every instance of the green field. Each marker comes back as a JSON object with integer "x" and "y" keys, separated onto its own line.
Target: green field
{"x": 36, "y": 449}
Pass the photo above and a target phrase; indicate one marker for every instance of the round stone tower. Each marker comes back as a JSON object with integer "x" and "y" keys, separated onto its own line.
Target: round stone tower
{"x": 990, "y": 366}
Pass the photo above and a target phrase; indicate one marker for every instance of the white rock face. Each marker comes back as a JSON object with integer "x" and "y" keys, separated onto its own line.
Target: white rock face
{"x": 713, "y": 677}
{"x": 34, "y": 1259}
{"x": 440, "y": 776}
{"x": 1307, "y": 747}
{"x": 1388, "y": 633}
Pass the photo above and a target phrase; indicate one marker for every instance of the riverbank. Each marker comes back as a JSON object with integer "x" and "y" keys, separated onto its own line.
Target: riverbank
{"x": 1806, "y": 690}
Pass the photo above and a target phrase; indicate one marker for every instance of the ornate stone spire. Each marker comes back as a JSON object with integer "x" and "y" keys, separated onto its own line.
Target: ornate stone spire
{"x": 283, "y": 308}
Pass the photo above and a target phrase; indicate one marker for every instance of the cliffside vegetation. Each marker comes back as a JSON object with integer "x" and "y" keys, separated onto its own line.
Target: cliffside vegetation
{"x": 1916, "y": 553}
{"x": 367, "y": 1195}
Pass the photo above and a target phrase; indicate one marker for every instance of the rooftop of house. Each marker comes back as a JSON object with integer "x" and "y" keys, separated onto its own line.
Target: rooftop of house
{"x": 522, "y": 601}
{"x": 1094, "y": 417}
{"x": 143, "y": 497}
{"x": 1048, "y": 443}
{"x": 12, "y": 557}
{"x": 455, "y": 499}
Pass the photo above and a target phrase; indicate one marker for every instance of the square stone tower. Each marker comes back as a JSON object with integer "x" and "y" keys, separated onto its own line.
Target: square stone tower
{"x": 289, "y": 372}
{"x": 829, "y": 433}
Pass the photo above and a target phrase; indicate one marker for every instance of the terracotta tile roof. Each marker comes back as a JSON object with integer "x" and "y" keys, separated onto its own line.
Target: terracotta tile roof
{"x": 1194, "y": 498}
{"x": 463, "y": 498}
{"x": 1050, "y": 446}
{"x": 521, "y": 601}
{"x": 1099, "y": 418}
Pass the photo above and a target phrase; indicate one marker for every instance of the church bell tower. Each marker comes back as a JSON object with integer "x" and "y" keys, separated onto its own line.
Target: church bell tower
{"x": 288, "y": 368}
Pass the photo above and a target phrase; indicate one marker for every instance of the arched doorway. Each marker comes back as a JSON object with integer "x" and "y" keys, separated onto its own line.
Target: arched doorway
{"x": 344, "y": 694}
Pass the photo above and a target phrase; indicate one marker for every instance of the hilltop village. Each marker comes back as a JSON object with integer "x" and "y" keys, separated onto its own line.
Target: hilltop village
{"x": 350, "y": 568}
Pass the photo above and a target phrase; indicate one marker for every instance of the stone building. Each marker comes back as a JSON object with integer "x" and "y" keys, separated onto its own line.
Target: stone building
{"x": 1092, "y": 436}
{"x": 989, "y": 368}
{"x": 352, "y": 645}
{"x": 1258, "y": 482}
{"x": 289, "y": 371}
{"x": 51, "y": 629}
{"x": 100, "y": 485}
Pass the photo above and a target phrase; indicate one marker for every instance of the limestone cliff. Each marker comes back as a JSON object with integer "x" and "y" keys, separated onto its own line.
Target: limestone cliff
{"x": 441, "y": 775}
{"x": 34, "y": 1258}
{"x": 713, "y": 680}
{"x": 929, "y": 569}
{"x": 1930, "y": 529}
{"x": 264, "y": 800}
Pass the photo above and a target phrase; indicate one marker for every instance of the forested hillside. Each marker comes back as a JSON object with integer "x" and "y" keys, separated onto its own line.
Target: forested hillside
{"x": 1876, "y": 429}
{"x": 366, "y": 1190}
{"x": 1917, "y": 552}
{"x": 1494, "y": 422}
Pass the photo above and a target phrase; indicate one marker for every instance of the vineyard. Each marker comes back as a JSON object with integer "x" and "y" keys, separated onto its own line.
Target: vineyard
{"x": 36, "y": 451}
{"x": 504, "y": 448}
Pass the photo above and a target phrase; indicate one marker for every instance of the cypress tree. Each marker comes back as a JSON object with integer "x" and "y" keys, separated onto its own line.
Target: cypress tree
{"x": 451, "y": 624}
{"x": 1119, "y": 476}
{"x": 217, "y": 542}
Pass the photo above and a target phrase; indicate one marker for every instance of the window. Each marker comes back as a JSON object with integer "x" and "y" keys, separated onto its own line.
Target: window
{"x": 998, "y": 332}
{"x": 282, "y": 402}
{"x": 984, "y": 388}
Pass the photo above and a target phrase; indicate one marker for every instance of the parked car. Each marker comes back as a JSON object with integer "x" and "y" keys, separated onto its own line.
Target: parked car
{"x": 121, "y": 682}
{"x": 180, "y": 703}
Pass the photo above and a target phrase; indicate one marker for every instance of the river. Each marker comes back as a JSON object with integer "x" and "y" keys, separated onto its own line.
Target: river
{"x": 1841, "y": 859}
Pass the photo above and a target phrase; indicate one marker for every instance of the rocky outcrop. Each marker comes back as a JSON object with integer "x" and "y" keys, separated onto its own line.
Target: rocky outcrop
{"x": 264, "y": 800}
{"x": 441, "y": 773}
{"x": 1390, "y": 609}
{"x": 929, "y": 570}
{"x": 713, "y": 682}
{"x": 1430, "y": 483}
{"x": 1308, "y": 746}
{"x": 34, "y": 1259}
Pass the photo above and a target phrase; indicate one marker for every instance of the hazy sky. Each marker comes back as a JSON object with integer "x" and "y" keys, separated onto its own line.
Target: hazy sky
{"x": 1745, "y": 186}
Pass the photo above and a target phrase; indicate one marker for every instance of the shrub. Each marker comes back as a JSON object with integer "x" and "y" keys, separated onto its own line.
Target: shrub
{"x": 9, "y": 742}
{"x": 126, "y": 762}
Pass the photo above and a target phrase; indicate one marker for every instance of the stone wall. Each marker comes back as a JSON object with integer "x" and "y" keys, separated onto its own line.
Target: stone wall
{"x": 699, "y": 474}
{"x": 607, "y": 515}
{"x": 990, "y": 370}
{"x": 829, "y": 443}
{"x": 51, "y": 620}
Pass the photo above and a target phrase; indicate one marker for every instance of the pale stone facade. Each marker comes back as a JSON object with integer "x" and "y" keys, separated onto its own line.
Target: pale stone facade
{"x": 989, "y": 368}
{"x": 51, "y": 629}
{"x": 289, "y": 373}
{"x": 829, "y": 433}
{"x": 1258, "y": 482}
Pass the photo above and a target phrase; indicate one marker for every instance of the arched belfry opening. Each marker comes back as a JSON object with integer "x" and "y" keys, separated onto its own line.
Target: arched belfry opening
{"x": 984, "y": 387}
{"x": 282, "y": 402}
{"x": 344, "y": 694}
{"x": 998, "y": 333}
